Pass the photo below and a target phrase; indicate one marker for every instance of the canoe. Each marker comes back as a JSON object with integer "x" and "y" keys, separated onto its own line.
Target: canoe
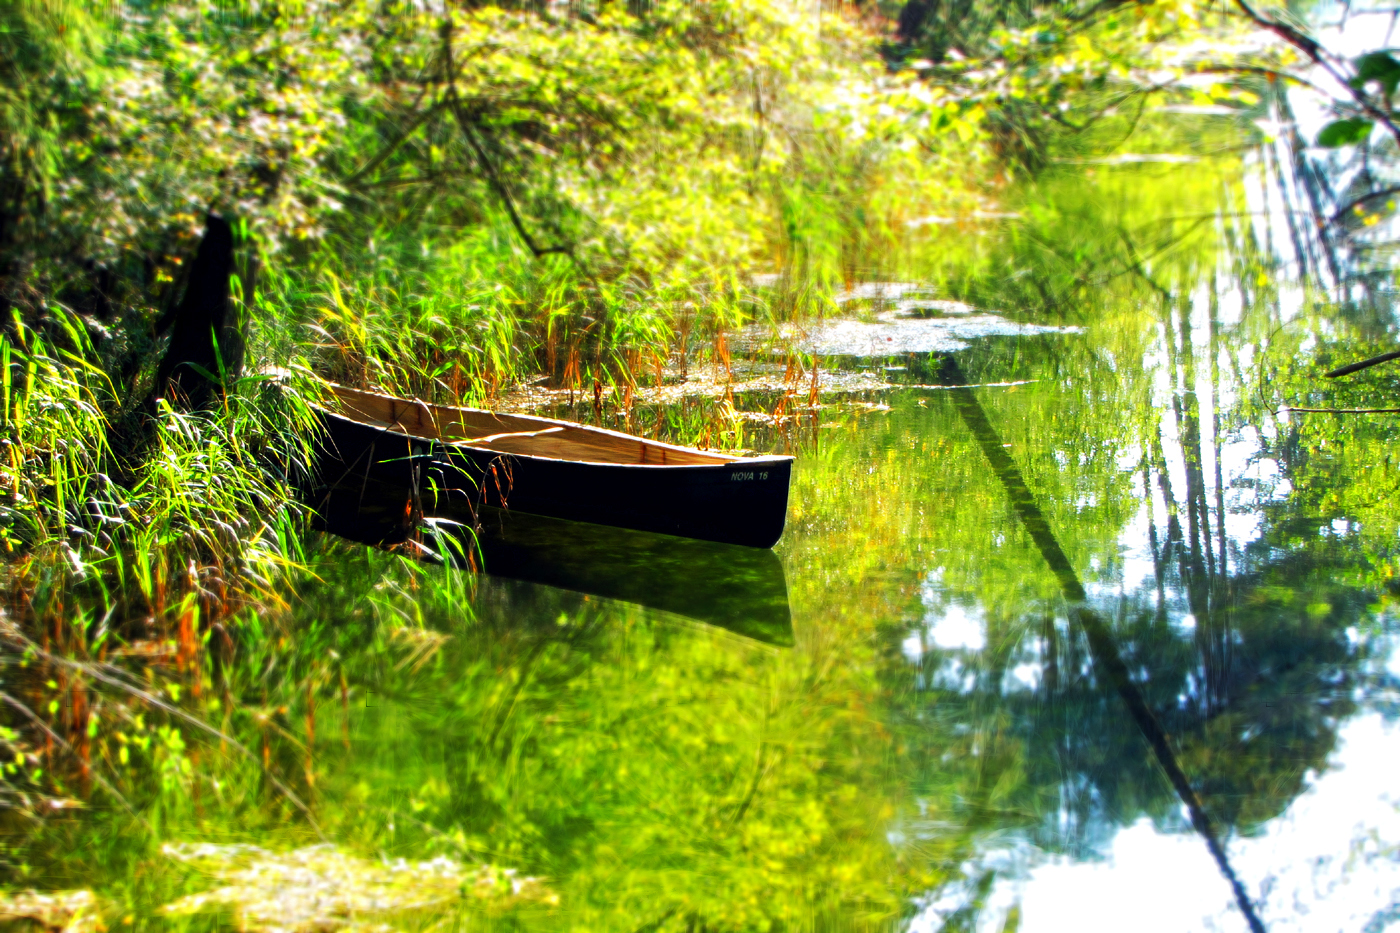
{"x": 448, "y": 456}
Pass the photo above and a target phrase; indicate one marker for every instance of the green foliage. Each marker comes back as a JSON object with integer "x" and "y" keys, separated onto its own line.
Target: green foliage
{"x": 439, "y": 203}
{"x": 1066, "y": 81}
{"x": 1379, "y": 67}
{"x": 45, "y": 45}
{"x": 1345, "y": 133}
{"x": 195, "y": 515}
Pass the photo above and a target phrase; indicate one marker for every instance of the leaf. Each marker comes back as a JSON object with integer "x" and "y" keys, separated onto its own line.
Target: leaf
{"x": 1379, "y": 67}
{"x": 1344, "y": 133}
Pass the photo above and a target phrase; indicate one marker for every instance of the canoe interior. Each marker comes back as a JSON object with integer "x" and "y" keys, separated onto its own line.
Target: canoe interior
{"x": 515, "y": 434}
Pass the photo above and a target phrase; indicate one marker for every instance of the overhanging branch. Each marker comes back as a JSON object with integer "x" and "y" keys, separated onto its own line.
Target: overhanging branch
{"x": 382, "y": 156}
{"x": 470, "y": 129}
{"x": 1323, "y": 59}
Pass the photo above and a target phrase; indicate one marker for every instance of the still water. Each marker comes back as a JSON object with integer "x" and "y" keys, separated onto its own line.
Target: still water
{"x": 1073, "y": 626}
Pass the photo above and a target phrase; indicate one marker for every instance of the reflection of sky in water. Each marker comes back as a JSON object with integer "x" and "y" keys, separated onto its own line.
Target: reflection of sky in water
{"x": 956, "y": 629}
{"x": 948, "y": 626}
{"x": 1329, "y": 863}
{"x": 1331, "y": 860}
{"x": 1249, "y": 482}
{"x": 1248, "y": 486}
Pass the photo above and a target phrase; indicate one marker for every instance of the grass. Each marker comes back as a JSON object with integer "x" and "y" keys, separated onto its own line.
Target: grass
{"x": 131, "y": 534}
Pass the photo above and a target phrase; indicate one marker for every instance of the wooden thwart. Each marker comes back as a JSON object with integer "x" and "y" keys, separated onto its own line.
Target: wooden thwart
{"x": 496, "y": 437}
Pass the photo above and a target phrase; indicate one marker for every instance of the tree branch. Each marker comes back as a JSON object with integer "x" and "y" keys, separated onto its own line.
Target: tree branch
{"x": 1371, "y": 196}
{"x": 493, "y": 178}
{"x": 1272, "y": 74}
{"x": 1323, "y": 59}
{"x": 1343, "y": 411}
{"x": 394, "y": 144}
{"x": 1364, "y": 364}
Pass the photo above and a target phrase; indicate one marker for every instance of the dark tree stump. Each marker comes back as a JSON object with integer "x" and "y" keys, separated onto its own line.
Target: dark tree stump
{"x": 205, "y": 345}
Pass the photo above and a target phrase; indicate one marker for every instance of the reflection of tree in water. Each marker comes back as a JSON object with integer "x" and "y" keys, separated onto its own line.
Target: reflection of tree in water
{"x": 1235, "y": 664}
{"x": 1241, "y": 650}
{"x": 1080, "y": 246}
{"x": 1246, "y": 729}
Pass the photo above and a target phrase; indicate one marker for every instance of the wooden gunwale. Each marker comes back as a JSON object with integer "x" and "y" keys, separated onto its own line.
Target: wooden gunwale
{"x": 522, "y": 435}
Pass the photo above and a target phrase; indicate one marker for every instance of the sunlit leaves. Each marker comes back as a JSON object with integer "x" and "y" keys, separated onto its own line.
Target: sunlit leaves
{"x": 1344, "y": 132}
{"x": 1379, "y": 67}
{"x": 1057, "y": 80}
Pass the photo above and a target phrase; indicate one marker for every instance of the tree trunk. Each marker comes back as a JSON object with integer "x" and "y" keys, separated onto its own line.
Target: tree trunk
{"x": 206, "y": 345}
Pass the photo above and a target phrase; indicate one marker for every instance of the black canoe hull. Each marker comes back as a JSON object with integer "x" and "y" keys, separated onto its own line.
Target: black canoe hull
{"x": 743, "y": 501}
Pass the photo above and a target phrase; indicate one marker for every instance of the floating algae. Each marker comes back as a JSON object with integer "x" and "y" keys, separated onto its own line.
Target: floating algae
{"x": 69, "y": 911}
{"x": 705, "y": 381}
{"x": 912, "y": 322}
{"x": 319, "y": 887}
{"x": 878, "y": 291}
{"x": 893, "y": 333}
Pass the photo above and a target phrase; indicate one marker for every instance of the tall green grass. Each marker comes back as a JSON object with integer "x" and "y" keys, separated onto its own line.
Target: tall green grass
{"x": 186, "y": 503}
{"x": 130, "y": 531}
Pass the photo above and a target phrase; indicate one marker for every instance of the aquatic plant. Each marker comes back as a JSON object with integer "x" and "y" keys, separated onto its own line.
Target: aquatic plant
{"x": 321, "y": 887}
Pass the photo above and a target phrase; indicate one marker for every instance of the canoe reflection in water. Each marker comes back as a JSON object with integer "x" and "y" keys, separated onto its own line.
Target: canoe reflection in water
{"x": 741, "y": 589}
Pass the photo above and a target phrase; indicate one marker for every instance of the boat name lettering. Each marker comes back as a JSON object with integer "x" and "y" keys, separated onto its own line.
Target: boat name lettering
{"x": 741, "y": 477}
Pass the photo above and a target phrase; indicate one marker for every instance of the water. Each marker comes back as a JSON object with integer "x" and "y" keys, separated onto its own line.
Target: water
{"x": 1001, "y": 621}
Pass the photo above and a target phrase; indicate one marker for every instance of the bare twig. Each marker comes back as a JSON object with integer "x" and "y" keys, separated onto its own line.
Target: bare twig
{"x": 1135, "y": 265}
{"x": 379, "y": 159}
{"x": 1370, "y": 196}
{"x": 63, "y": 744}
{"x": 1342, "y": 411}
{"x": 157, "y": 703}
{"x": 469, "y": 130}
{"x": 1364, "y": 364}
{"x": 1272, "y": 74}
{"x": 1103, "y": 6}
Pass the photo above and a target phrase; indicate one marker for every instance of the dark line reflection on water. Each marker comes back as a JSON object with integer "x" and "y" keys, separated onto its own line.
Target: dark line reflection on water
{"x": 1105, "y": 650}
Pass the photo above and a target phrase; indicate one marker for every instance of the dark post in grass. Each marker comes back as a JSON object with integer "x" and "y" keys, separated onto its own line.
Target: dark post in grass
{"x": 206, "y": 344}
